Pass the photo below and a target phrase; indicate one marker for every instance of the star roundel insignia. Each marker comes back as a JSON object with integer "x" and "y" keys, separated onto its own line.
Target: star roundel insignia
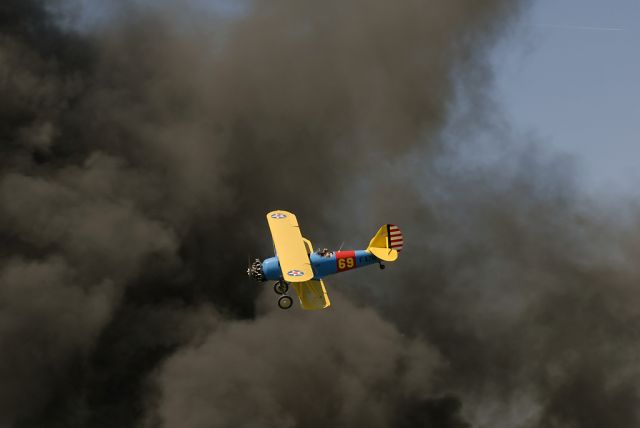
{"x": 295, "y": 272}
{"x": 278, "y": 215}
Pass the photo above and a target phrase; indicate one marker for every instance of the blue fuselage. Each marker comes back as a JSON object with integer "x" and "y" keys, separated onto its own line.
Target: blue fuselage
{"x": 323, "y": 265}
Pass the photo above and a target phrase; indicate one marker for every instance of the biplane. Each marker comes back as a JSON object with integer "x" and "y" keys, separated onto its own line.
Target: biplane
{"x": 296, "y": 263}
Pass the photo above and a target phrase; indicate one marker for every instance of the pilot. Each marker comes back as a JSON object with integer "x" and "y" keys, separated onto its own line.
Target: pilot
{"x": 324, "y": 252}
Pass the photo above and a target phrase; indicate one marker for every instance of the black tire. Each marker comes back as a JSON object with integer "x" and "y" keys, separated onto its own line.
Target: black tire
{"x": 281, "y": 287}
{"x": 285, "y": 302}
{"x": 382, "y": 266}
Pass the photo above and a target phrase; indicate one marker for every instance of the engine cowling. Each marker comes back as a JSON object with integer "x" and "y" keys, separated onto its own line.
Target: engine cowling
{"x": 255, "y": 271}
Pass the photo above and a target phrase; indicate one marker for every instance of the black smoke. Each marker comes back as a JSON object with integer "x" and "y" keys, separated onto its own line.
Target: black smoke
{"x": 140, "y": 155}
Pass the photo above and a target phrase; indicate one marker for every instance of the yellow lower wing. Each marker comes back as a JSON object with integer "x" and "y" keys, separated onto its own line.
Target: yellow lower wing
{"x": 290, "y": 246}
{"x": 312, "y": 294}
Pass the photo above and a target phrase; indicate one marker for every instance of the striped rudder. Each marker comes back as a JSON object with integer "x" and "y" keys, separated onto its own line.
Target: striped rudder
{"x": 396, "y": 241}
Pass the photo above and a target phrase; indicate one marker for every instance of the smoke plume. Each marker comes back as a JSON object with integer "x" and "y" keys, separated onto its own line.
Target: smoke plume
{"x": 142, "y": 148}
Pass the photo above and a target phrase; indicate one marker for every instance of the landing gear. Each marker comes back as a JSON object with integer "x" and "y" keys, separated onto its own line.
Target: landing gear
{"x": 281, "y": 287}
{"x": 382, "y": 266}
{"x": 285, "y": 302}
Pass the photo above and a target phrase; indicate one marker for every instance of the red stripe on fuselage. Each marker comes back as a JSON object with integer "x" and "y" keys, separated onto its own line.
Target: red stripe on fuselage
{"x": 345, "y": 260}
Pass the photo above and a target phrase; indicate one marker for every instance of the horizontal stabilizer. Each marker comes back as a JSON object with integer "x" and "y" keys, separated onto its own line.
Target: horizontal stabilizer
{"x": 386, "y": 254}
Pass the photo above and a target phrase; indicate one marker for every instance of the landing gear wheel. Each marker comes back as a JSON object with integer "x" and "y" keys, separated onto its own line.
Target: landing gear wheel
{"x": 382, "y": 266}
{"x": 281, "y": 287}
{"x": 285, "y": 302}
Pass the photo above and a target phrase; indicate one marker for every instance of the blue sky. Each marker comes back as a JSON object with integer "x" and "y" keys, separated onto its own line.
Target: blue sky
{"x": 578, "y": 89}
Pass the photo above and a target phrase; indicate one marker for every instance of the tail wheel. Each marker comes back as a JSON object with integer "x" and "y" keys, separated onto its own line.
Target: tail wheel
{"x": 281, "y": 287}
{"x": 285, "y": 302}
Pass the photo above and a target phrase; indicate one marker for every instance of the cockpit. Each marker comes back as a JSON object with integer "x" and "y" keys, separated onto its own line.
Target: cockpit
{"x": 324, "y": 253}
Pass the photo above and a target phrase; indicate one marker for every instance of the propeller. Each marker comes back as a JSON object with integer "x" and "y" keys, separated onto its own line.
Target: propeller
{"x": 254, "y": 269}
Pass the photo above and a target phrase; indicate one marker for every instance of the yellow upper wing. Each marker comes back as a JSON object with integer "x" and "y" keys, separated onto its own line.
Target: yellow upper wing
{"x": 312, "y": 294}
{"x": 290, "y": 246}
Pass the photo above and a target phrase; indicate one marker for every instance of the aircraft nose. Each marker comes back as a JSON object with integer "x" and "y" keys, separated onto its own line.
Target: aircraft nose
{"x": 255, "y": 270}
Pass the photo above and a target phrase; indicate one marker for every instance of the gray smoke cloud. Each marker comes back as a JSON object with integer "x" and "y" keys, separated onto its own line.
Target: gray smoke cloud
{"x": 347, "y": 367}
{"x": 140, "y": 154}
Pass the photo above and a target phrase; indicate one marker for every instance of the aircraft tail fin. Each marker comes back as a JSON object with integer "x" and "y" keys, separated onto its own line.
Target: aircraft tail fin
{"x": 387, "y": 243}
